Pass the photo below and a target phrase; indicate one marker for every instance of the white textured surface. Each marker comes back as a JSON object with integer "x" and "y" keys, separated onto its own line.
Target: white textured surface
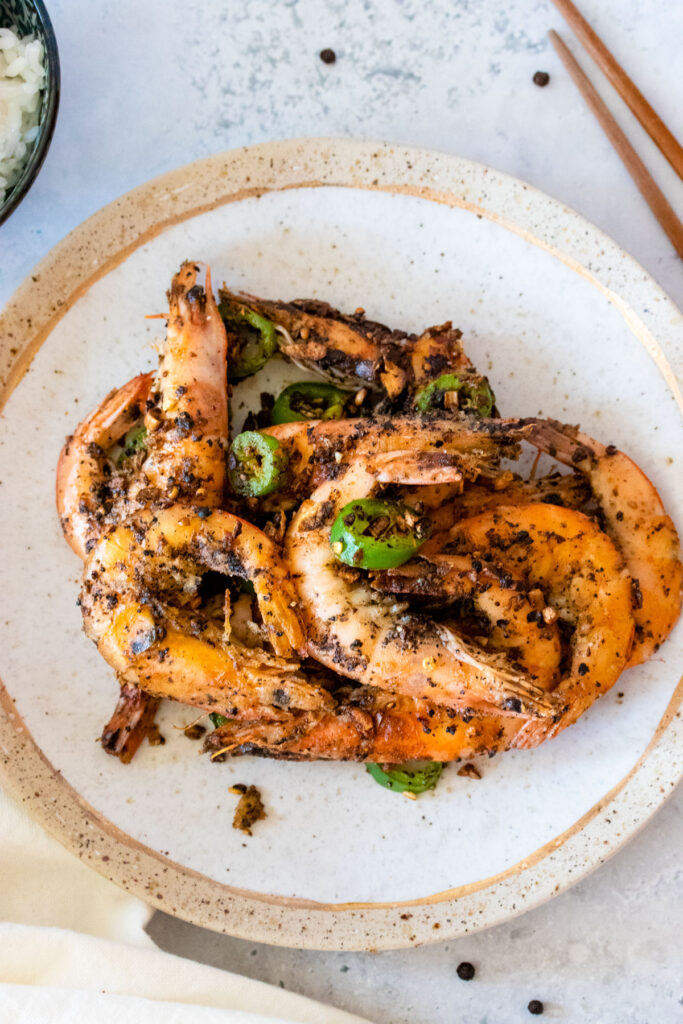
{"x": 455, "y": 76}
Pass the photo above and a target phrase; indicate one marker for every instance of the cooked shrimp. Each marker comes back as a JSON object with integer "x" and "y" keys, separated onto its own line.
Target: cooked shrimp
{"x": 515, "y": 621}
{"x": 319, "y": 449}
{"x": 560, "y": 550}
{"x": 359, "y": 635}
{"x": 635, "y": 519}
{"x": 369, "y": 725}
{"x": 85, "y": 496}
{"x": 186, "y": 458}
{"x": 141, "y": 605}
{"x": 581, "y": 574}
{"x": 343, "y": 348}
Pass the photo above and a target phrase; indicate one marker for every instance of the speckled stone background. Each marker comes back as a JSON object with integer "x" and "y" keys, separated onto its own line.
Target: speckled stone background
{"x": 148, "y": 86}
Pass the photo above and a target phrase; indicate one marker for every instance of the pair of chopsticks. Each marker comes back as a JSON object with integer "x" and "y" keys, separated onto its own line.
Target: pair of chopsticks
{"x": 649, "y": 119}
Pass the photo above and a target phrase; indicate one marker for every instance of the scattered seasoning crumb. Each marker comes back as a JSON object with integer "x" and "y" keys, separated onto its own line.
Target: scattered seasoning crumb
{"x": 535, "y": 1007}
{"x": 154, "y": 737}
{"x": 465, "y": 971}
{"x": 194, "y": 731}
{"x": 343, "y": 968}
{"x": 408, "y": 795}
{"x": 541, "y": 78}
{"x": 469, "y": 771}
{"x": 328, "y": 56}
{"x": 249, "y": 807}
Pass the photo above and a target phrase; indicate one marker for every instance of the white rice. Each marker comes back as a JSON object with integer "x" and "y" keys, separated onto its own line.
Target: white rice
{"x": 22, "y": 75}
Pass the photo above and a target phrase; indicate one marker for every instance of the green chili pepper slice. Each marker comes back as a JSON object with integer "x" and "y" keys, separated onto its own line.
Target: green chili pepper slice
{"x": 475, "y": 394}
{"x": 412, "y": 777}
{"x": 256, "y": 336}
{"x": 135, "y": 439}
{"x": 309, "y": 400}
{"x": 256, "y": 464}
{"x": 371, "y": 533}
{"x": 218, "y": 720}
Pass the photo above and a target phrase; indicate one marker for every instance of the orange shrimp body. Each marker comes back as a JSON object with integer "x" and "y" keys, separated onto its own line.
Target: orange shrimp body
{"x": 84, "y": 472}
{"x": 636, "y": 520}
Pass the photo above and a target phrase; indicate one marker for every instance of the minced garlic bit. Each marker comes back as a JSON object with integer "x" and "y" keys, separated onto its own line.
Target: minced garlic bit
{"x": 249, "y": 809}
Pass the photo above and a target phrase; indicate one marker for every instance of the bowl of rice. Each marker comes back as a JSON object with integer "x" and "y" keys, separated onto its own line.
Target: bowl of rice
{"x": 29, "y": 96}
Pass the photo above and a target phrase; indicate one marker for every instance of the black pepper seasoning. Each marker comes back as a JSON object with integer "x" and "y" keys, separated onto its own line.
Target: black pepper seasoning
{"x": 535, "y": 1007}
{"x": 465, "y": 971}
{"x": 541, "y": 78}
{"x": 328, "y": 56}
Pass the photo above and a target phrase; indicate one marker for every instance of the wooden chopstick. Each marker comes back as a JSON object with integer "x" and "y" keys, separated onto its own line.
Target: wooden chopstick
{"x": 650, "y": 120}
{"x": 651, "y": 192}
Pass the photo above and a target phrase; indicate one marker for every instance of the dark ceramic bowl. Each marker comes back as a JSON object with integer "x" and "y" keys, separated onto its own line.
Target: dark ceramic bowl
{"x": 30, "y": 17}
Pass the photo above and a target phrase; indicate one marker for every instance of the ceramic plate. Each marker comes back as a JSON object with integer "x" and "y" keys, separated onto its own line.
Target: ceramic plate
{"x": 565, "y": 324}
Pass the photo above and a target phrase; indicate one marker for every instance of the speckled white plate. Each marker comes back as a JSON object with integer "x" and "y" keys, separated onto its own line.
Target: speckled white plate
{"x": 565, "y": 323}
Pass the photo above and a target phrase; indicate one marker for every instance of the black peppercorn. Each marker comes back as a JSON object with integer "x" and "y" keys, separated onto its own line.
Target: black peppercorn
{"x": 541, "y": 78}
{"x": 465, "y": 971}
{"x": 328, "y": 56}
{"x": 535, "y": 1007}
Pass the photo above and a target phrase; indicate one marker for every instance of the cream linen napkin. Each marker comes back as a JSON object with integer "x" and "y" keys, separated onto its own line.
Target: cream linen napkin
{"x": 72, "y": 948}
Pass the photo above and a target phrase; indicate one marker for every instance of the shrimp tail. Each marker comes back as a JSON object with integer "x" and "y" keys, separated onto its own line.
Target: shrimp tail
{"x": 131, "y": 721}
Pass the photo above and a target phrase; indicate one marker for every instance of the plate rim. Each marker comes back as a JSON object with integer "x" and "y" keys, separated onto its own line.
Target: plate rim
{"x": 89, "y": 253}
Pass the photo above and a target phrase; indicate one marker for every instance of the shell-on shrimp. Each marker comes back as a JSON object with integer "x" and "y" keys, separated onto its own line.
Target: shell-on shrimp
{"x": 581, "y": 575}
{"x": 514, "y": 622}
{"x": 85, "y": 497}
{"x": 559, "y": 550}
{"x": 320, "y": 449}
{"x": 188, "y": 431}
{"x": 369, "y": 725}
{"x": 354, "y": 632}
{"x": 141, "y": 606}
{"x": 343, "y": 348}
{"x": 186, "y": 458}
{"x": 635, "y": 519}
